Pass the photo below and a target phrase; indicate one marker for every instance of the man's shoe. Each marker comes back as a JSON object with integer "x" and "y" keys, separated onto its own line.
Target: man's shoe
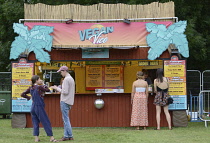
{"x": 71, "y": 138}
{"x": 64, "y": 139}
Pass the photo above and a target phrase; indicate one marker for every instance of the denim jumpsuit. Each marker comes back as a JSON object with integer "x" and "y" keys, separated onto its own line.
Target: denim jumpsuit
{"x": 37, "y": 109}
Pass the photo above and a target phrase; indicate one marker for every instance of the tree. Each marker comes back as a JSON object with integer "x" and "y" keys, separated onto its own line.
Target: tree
{"x": 196, "y": 13}
{"x": 198, "y": 17}
{"x": 11, "y": 11}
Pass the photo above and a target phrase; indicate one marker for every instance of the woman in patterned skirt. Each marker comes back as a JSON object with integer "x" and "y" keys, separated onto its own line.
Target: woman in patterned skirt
{"x": 161, "y": 86}
{"x": 139, "y": 100}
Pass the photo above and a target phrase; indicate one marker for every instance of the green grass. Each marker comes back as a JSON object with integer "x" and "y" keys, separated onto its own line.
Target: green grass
{"x": 194, "y": 133}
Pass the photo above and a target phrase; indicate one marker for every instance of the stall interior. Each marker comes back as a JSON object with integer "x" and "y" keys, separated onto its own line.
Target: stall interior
{"x": 91, "y": 76}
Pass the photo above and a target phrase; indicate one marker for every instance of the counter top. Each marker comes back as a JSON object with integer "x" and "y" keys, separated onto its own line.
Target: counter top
{"x": 58, "y": 93}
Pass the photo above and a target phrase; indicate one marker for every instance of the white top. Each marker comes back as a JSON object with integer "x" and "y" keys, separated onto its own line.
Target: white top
{"x": 140, "y": 89}
{"x": 68, "y": 90}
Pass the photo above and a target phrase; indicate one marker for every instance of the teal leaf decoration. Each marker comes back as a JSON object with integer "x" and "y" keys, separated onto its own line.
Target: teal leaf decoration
{"x": 38, "y": 39}
{"x": 160, "y": 38}
{"x": 18, "y": 47}
{"x": 21, "y": 30}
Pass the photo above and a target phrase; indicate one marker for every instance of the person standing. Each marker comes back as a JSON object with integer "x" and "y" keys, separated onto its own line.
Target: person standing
{"x": 38, "y": 113}
{"x": 139, "y": 101}
{"x": 66, "y": 101}
{"x": 147, "y": 78}
{"x": 161, "y": 86}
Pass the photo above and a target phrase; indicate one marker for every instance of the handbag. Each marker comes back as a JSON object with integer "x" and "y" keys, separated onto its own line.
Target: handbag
{"x": 169, "y": 100}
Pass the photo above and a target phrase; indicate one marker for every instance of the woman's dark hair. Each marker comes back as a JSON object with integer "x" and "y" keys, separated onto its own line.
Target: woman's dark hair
{"x": 159, "y": 75}
{"x": 34, "y": 79}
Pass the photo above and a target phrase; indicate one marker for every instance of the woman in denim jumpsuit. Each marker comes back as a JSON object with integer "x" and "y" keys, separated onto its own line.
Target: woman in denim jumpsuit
{"x": 38, "y": 113}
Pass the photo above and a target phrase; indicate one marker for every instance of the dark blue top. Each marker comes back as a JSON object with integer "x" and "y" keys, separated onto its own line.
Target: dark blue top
{"x": 148, "y": 80}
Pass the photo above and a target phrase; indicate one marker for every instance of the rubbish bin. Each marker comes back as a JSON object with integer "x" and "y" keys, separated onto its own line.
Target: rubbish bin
{"x": 5, "y": 102}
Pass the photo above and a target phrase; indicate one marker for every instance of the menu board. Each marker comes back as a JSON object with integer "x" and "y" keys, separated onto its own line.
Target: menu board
{"x": 113, "y": 76}
{"x": 93, "y": 77}
{"x": 175, "y": 70}
{"x": 104, "y": 76}
{"x": 21, "y": 80}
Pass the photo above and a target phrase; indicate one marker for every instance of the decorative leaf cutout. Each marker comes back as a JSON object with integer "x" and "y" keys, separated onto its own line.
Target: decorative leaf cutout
{"x": 181, "y": 43}
{"x": 37, "y": 39}
{"x": 21, "y": 29}
{"x": 160, "y": 37}
{"x": 18, "y": 47}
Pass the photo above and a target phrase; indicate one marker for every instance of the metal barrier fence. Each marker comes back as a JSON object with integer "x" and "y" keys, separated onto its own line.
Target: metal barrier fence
{"x": 194, "y": 86}
{"x": 194, "y": 108}
{"x": 206, "y": 80}
{"x": 204, "y": 106}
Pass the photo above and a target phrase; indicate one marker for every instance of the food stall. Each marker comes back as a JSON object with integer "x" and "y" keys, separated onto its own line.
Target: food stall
{"x": 103, "y": 58}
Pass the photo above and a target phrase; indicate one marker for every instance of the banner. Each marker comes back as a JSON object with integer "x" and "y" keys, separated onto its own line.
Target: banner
{"x": 175, "y": 70}
{"x": 98, "y": 34}
{"x": 21, "y": 80}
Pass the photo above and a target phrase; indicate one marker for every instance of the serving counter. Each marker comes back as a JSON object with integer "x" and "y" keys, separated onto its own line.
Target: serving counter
{"x": 115, "y": 113}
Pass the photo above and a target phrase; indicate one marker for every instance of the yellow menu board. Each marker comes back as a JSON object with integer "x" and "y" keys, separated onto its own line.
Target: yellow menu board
{"x": 113, "y": 76}
{"x": 21, "y": 77}
{"x": 103, "y": 76}
{"x": 175, "y": 70}
{"x": 177, "y": 86}
{"x": 93, "y": 77}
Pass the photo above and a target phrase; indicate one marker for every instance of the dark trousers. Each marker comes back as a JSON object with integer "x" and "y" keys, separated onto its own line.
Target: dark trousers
{"x": 39, "y": 115}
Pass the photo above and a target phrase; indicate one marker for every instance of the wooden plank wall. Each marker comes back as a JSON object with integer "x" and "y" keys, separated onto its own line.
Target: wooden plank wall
{"x": 116, "y": 112}
{"x": 114, "y": 54}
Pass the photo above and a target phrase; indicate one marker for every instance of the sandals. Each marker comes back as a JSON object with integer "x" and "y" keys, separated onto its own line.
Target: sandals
{"x": 53, "y": 140}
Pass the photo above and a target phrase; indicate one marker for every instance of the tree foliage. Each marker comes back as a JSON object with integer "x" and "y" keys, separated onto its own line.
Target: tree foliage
{"x": 11, "y": 11}
{"x": 196, "y": 13}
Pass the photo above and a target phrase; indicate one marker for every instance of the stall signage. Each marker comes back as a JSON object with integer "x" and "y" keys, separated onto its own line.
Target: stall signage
{"x": 104, "y": 77}
{"x": 91, "y": 35}
{"x": 94, "y": 34}
{"x": 175, "y": 70}
{"x": 21, "y": 80}
{"x": 95, "y": 53}
{"x": 102, "y": 63}
{"x": 148, "y": 63}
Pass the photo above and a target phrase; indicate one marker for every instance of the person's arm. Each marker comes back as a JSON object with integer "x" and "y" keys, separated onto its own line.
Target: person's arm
{"x": 167, "y": 81}
{"x": 24, "y": 94}
{"x": 44, "y": 88}
{"x": 65, "y": 87}
{"x": 147, "y": 93}
{"x": 132, "y": 93}
{"x": 155, "y": 86}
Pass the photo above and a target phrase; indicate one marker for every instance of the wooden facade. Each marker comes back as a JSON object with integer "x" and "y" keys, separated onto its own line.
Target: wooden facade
{"x": 115, "y": 113}
{"x": 117, "y": 109}
{"x": 114, "y": 54}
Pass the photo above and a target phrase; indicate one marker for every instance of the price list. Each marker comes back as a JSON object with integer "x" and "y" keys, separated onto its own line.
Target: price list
{"x": 175, "y": 70}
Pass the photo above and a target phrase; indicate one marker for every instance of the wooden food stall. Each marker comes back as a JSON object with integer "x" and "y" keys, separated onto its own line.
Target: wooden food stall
{"x": 102, "y": 53}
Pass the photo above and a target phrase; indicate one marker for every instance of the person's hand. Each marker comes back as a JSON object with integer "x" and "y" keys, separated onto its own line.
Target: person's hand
{"x": 53, "y": 87}
{"x": 28, "y": 98}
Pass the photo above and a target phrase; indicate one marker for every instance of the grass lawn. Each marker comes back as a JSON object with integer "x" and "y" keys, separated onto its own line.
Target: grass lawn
{"x": 194, "y": 133}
